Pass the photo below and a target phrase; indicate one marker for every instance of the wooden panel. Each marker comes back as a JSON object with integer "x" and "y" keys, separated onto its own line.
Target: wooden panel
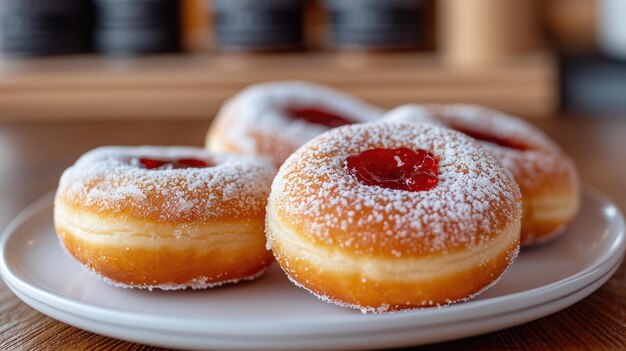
{"x": 195, "y": 86}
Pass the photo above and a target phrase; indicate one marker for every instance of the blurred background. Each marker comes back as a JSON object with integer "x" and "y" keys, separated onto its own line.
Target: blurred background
{"x": 169, "y": 59}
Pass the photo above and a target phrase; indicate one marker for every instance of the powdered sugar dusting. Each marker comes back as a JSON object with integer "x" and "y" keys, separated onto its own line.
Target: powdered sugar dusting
{"x": 261, "y": 110}
{"x": 108, "y": 179}
{"x": 474, "y": 199}
{"x": 412, "y": 113}
{"x": 475, "y": 118}
{"x": 541, "y": 163}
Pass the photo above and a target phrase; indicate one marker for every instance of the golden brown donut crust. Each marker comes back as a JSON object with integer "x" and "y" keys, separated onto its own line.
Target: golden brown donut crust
{"x": 378, "y": 249}
{"x": 353, "y": 290}
{"x": 171, "y": 228}
{"x": 165, "y": 267}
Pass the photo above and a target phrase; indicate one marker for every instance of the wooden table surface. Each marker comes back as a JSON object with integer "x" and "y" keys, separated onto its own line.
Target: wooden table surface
{"x": 33, "y": 154}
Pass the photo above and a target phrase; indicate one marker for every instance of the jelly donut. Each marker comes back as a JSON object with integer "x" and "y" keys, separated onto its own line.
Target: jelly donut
{"x": 274, "y": 119}
{"x": 546, "y": 176}
{"x": 390, "y": 216}
{"x": 165, "y": 217}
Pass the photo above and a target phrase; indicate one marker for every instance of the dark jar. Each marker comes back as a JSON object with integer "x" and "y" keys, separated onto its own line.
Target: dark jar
{"x": 132, "y": 27}
{"x": 258, "y": 25}
{"x": 379, "y": 24}
{"x": 44, "y": 27}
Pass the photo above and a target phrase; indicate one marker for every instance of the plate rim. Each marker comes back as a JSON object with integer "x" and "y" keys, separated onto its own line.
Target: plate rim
{"x": 401, "y": 337}
{"x": 476, "y": 309}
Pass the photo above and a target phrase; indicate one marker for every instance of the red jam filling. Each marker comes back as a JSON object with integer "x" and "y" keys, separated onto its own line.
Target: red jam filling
{"x": 317, "y": 116}
{"x": 400, "y": 169}
{"x": 150, "y": 163}
{"x": 492, "y": 139}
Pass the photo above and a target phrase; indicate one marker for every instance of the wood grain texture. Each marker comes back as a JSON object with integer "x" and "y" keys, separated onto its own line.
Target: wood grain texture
{"x": 34, "y": 154}
{"x": 188, "y": 86}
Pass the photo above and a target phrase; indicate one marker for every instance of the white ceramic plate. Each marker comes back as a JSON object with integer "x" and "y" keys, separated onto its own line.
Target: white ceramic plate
{"x": 272, "y": 313}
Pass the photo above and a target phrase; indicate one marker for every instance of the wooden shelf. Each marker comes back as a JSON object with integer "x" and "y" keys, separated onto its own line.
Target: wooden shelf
{"x": 169, "y": 87}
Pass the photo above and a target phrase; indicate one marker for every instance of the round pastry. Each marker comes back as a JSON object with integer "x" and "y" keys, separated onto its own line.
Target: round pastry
{"x": 389, "y": 216}
{"x": 274, "y": 119}
{"x": 546, "y": 176}
{"x": 165, "y": 217}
